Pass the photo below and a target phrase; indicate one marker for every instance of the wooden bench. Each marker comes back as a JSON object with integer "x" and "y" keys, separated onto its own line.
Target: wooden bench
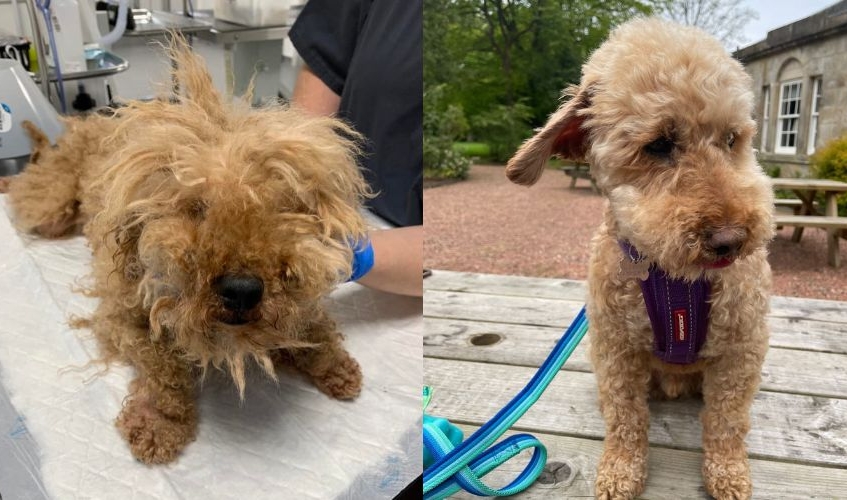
{"x": 787, "y": 206}
{"x": 833, "y": 225}
{"x": 579, "y": 171}
{"x": 793, "y": 204}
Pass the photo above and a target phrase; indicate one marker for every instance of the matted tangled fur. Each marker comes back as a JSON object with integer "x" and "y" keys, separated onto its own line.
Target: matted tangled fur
{"x": 216, "y": 230}
{"x": 663, "y": 116}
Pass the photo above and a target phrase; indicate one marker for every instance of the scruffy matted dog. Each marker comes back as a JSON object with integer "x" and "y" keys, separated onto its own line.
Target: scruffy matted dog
{"x": 216, "y": 230}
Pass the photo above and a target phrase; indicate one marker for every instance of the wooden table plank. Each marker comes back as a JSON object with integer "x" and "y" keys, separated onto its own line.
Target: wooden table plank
{"x": 795, "y": 328}
{"x": 792, "y": 330}
{"x": 809, "y": 309}
{"x": 808, "y": 184}
{"x": 818, "y": 221}
{"x": 785, "y": 427}
{"x": 497, "y": 308}
{"x": 573, "y": 290}
{"x": 557, "y": 312}
{"x": 789, "y": 333}
{"x": 785, "y": 370}
{"x": 496, "y": 284}
{"x": 673, "y": 474}
{"x": 802, "y": 334}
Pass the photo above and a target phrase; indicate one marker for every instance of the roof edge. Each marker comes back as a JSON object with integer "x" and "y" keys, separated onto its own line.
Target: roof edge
{"x": 824, "y": 24}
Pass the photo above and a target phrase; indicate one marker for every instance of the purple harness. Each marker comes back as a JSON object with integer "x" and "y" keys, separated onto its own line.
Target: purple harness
{"x": 678, "y": 311}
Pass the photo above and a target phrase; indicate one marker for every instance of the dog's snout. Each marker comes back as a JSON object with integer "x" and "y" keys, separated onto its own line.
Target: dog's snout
{"x": 239, "y": 292}
{"x": 726, "y": 242}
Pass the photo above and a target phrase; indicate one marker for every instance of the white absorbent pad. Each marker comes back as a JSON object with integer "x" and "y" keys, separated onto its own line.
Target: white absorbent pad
{"x": 286, "y": 440}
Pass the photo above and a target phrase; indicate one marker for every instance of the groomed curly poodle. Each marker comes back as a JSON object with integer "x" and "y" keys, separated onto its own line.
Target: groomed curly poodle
{"x": 679, "y": 282}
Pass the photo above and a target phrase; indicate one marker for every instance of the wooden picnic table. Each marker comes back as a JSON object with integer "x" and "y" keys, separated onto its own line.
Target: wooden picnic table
{"x": 806, "y": 190}
{"x": 486, "y": 335}
{"x": 579, "y": 171}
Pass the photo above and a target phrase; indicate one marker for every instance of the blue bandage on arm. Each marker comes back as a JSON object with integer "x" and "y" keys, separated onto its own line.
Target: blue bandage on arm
{"x": 363, "y": 259}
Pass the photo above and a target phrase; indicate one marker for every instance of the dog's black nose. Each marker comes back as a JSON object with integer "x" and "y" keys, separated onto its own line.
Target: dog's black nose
{"x": 726, "y": 242}
{"x": 239, "y": 292}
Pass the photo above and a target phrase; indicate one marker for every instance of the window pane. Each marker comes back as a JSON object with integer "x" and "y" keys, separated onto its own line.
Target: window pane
{"x": 789, "y": 112}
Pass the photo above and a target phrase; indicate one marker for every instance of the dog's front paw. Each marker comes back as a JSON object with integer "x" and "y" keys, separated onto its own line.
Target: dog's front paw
{"x": 153, "y": 437}
{"x": 727, "y": 479}
{"x": 343, "y": 379}
{"x": 620, "y": 476}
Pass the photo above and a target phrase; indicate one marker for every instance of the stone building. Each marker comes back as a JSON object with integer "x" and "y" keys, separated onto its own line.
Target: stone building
{"x": 800, "y": 81}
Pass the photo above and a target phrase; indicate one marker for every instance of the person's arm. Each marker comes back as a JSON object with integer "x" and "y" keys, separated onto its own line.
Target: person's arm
{"x": 398, "y": 261}
{"x": 313, "y": 95}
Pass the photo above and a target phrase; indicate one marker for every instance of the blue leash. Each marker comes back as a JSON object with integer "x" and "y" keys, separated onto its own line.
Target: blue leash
{"x": 460, "y": 466}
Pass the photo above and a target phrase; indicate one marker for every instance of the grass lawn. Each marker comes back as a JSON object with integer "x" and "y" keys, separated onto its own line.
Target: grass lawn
{"x": 471, "y": 149}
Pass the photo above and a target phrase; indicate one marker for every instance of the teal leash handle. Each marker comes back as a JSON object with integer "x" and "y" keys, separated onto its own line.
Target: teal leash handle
{"x": 462, "y": 466}
{"x": 492, "y": 458}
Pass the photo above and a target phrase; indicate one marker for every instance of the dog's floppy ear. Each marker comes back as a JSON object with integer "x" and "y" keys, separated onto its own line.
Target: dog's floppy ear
{"x": 562, "y": 135}
{"x": 127, "y": 207}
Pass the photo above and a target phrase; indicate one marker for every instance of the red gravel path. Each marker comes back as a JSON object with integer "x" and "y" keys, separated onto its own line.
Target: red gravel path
{"x": 487, "y": 224}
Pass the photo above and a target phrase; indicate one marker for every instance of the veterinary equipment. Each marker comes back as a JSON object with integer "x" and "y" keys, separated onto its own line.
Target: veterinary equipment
{"x": 20, "y": 99}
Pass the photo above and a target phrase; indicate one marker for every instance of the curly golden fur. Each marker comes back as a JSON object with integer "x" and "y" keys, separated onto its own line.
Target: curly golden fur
{"x": 216, "y": 230}
{"x": 663, "y": 116}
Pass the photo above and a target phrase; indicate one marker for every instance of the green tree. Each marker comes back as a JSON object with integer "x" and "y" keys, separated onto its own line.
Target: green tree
{"x": 505, "y": 62}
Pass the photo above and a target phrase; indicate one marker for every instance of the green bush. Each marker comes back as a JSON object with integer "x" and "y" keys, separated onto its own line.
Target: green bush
{"x": 442, "y": 125}
{"x": 441, "y": 161}
{"x": 504, "y": 128}
{"x": 830, "y": 162}
{"x": 771, "y": 169}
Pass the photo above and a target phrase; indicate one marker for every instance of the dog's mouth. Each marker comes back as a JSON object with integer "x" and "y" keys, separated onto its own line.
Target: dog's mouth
{"x": 719, "y": 263}
{"x": 235, "y": 320}
{"x": 237, "y": 317}
{"x": 722, "y": 246}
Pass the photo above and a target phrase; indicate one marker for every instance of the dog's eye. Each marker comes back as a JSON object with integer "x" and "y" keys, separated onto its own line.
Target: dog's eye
{"x": 197, "y": 209}
{"x": 730, "y": 139}
{"x": 661, "y": 147}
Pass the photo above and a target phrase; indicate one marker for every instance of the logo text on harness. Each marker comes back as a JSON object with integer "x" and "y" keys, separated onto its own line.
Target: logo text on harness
{"x": 680, "y": 322}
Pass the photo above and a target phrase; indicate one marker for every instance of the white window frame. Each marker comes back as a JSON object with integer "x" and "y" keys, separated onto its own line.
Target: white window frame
{"x": 766, "y": 115}
{"x": 784, "y": 117}
{"x": 814, "y": 111}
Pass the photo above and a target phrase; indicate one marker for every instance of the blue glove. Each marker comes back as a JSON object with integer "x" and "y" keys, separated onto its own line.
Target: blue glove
{"x": 363, "y": 259}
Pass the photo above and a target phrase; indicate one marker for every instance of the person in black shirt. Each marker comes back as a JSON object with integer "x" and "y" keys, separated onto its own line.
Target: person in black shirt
{"x": 368, "y": 54}
{"x": 363, "y": 62}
